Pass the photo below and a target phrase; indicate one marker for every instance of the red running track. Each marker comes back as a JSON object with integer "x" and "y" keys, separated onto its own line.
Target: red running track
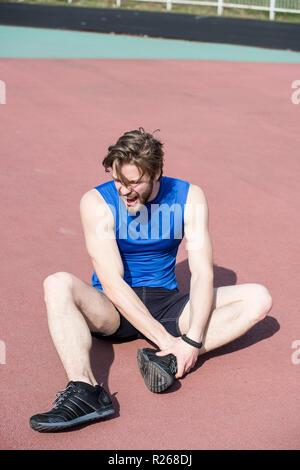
{"x": 230, "y": 128}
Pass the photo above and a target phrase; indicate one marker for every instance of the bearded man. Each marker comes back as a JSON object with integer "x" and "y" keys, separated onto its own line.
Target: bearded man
{"x": 133, "y": 226}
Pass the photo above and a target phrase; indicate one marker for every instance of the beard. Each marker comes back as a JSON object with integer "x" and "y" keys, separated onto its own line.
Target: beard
{"x": 142, "y": 199}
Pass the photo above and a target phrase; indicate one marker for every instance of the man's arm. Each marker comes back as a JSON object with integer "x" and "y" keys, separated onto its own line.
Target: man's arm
{"x": 200, "y": 258}
{"x": 98, "y": 226}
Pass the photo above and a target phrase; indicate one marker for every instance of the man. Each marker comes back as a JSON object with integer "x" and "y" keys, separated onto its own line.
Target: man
{"x": 133, "y": 226}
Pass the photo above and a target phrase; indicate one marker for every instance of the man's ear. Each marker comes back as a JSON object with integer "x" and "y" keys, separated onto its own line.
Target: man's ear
{"x": 157, "y": 175}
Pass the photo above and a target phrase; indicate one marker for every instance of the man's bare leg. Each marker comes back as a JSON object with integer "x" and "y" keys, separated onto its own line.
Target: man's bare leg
{"x": 74, "y": 310}
{"x": 235, "y": 310}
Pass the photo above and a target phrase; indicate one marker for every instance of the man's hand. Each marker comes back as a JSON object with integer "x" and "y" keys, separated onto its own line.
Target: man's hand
{"x": 185, "y": 354}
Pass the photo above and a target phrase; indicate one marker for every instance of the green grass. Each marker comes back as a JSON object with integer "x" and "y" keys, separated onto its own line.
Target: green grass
{"x": 187, "y": 9}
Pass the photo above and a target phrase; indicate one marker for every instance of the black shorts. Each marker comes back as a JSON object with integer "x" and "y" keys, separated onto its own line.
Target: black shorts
{"x": 165, "y": 306}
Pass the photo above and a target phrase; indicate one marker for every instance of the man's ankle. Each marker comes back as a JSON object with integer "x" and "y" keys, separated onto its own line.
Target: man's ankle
{"x": 83, "y": 378}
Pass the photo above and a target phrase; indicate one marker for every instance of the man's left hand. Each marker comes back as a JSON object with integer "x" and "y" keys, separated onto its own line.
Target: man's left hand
{"x": 185, "y": 354}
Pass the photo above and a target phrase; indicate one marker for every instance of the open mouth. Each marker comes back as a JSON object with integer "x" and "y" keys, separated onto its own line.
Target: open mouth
{"x": 132, "y": 201}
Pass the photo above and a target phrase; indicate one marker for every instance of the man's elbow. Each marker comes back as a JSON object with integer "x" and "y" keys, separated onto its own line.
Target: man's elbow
{"x": 111, "y": 279}
{"x": 112, "y": 286}
{"x": 204, "y": 274}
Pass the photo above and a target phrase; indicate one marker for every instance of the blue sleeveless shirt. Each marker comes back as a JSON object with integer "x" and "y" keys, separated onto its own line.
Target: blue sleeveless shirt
{"x": 149, "y": 240}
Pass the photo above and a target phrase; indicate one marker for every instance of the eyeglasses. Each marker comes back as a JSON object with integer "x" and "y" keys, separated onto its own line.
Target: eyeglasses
{"x": 130, "y": 185}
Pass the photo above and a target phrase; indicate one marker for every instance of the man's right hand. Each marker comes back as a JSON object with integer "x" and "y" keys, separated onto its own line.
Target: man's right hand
{"x": 185, "y": 354}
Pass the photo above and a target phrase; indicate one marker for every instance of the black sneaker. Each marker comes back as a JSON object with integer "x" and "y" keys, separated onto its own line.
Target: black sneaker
{"x": 158, "y": 371}
{"x": 79, "y": 403}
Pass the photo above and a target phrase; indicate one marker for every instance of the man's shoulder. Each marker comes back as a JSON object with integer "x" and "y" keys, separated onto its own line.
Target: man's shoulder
{"x": 196, "y": 204}
{"x": 92, "y": 200}
{"x": 196, "y": 194}
{"x": 92, "y": 196}
{"x": 94, "y": 210}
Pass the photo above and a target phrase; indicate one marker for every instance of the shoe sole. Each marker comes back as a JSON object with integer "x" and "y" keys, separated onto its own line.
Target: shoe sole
{"x": 52, "y": 427}
{"x": 155, "y": 377}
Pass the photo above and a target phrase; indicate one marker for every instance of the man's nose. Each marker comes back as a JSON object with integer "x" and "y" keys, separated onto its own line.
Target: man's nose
{"x": 123, "y": 191}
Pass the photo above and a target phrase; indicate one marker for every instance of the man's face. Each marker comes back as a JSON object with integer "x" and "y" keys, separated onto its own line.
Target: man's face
{"x": 140, "y": 191}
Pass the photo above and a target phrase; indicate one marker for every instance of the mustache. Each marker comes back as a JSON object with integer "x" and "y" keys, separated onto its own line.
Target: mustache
{"x": 130, "y": 196}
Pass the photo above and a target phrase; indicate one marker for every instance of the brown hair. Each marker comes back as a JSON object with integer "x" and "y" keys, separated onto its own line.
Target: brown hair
{"x": 138, "y": 148}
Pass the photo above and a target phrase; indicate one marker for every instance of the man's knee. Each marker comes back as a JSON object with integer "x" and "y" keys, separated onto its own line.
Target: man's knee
{"x": 260, "y": 301}
{"x": 56, "y": 284}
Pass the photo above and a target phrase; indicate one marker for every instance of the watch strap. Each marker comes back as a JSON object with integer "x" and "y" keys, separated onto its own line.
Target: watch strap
{"x": 191, "y": 342}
